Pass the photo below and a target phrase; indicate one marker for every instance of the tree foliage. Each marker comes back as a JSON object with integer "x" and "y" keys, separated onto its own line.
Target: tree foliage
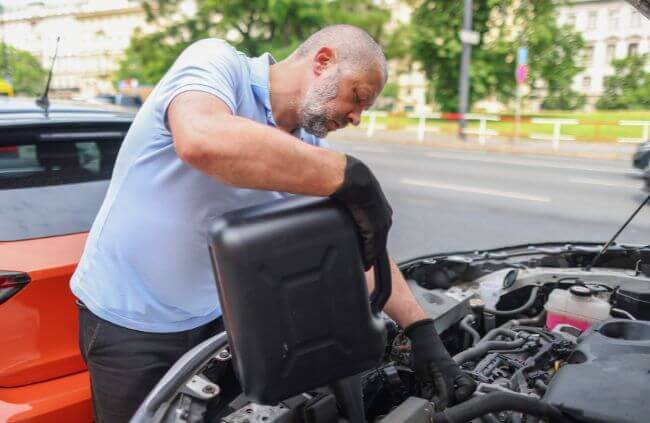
{"x": 27, "y": 74}
{"x": 503, "y": 26}
{"x": 629, "y": 86}
{"x": 252, "y": 26}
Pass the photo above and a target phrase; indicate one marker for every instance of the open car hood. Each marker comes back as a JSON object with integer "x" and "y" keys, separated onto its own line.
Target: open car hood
{"x": 552, "y": 368}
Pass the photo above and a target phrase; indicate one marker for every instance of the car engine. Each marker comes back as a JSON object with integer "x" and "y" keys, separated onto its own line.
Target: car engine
{"x": 544, "y": 338}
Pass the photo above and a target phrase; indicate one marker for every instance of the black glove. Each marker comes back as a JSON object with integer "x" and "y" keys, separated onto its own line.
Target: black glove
{"x": 440, "y": 378}
{"x": 364, "y": 199}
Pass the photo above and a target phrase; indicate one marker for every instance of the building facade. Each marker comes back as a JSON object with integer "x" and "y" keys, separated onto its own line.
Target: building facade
{"x": 612, "y": 29}
{"x": 93, "y": 37}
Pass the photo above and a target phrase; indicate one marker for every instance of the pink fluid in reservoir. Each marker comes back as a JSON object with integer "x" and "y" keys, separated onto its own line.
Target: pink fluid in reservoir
{"x": 554, "y": 319}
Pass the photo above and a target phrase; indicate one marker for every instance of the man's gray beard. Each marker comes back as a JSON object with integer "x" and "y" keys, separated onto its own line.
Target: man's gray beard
{"x": 316, "y": 110}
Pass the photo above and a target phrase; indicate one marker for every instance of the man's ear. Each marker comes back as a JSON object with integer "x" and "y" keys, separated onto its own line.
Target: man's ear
{"x": 323, "y": 58}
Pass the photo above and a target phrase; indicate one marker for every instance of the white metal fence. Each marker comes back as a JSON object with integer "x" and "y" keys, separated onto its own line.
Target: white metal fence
{"x": 483, "y": 132}
{"x": 645, "y": 131}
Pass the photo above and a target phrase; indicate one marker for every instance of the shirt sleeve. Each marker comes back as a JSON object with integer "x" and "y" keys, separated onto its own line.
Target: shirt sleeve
{"x": 211, "y": 66}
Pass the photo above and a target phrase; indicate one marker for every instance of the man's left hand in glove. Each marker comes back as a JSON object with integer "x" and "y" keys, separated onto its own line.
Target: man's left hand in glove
{"x": 441, "y": 379}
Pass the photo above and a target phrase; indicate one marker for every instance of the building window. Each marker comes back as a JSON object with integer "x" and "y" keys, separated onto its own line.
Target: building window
{"x": 635, "y": 19}
{"x": 592, "y": 19}
{"x": 588, "y": 56}
{"x": 571, "y": 20}
{"x": 613, "y": 19}
{"x": 632, "y": 49}
{"x": 610, "y": 53}
{"x": 586, "y": 82}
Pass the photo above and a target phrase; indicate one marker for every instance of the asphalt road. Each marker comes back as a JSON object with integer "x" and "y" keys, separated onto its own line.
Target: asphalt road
{"x": 447, "y": 201}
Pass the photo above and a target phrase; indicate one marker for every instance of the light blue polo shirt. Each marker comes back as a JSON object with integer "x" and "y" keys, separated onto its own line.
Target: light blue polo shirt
{"x": 146, "y": 264}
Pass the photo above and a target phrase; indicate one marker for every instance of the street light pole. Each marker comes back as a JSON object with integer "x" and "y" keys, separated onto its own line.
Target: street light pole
{"x": 464, "y": 69}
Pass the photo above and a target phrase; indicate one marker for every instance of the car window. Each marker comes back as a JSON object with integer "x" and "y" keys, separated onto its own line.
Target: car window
{"x": 130, "y": 101}
{"x": 53, "y": 188}
{"x": 105, "y": 99}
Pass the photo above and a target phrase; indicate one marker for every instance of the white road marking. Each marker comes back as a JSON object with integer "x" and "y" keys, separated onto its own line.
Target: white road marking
{"x": 528, "y": 163}
{"x": 589, "y": 181}
{"x": 369, "y": 149}
{"x": 475, "y": 190}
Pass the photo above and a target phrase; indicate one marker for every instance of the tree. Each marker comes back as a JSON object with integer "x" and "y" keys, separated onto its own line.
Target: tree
{"x": 252, "y": 26}
{"x": 629, "y": 86}
{"x": 556, "y": 53}
{"x": 503, "y": 26}
{"x": 27, "y": 74}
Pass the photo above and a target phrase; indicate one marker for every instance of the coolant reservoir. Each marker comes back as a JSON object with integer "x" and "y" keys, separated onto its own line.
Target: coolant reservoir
{"x": 576, "y": 307}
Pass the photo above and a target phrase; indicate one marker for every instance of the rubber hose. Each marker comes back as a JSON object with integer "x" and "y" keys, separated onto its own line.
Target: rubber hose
{"x": 495, "y": 402}
{"x": 465, "y": 325}
{"x": 623, "y": 313}
{"x": 499, "y": 331}
{"x": 540, "y": 331}
{"x": 526, "y": 321}
{"x": 532, "y": 321}
{"x": 483, "y": 347}
{"x": 526, "y": 306}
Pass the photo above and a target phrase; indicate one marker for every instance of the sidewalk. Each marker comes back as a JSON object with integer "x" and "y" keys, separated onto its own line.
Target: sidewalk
{"x": 577, "y": 149}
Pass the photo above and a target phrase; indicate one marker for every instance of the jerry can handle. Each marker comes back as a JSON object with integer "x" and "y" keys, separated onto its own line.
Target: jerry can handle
{"x": 383, "y": 283}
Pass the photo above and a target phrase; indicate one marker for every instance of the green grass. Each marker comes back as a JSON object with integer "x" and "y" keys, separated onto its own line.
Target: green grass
{"x": 599, "y": 126}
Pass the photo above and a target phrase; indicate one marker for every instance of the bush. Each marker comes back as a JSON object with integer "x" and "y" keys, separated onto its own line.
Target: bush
{"x": 628, "y": 87}
{"x": 571, "y": 101}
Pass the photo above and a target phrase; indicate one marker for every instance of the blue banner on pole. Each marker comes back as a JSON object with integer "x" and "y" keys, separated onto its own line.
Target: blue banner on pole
{"x": 522, "y": 56}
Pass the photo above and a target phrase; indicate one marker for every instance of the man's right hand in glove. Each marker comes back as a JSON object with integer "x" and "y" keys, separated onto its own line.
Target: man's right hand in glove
{"x": 361, "y": 193}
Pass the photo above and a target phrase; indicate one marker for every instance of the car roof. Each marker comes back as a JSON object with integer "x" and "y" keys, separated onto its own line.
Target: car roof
{"x": 24, "y": 111}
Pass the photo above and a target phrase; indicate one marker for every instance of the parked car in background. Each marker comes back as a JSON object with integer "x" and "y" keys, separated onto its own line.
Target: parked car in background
{"x": 54, "y": 172}
{"x": 124, "y": 100}
{"x": 641, "y": 158}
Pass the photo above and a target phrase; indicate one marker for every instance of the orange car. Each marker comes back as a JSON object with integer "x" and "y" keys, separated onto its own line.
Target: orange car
{"x": 54, "y": 172}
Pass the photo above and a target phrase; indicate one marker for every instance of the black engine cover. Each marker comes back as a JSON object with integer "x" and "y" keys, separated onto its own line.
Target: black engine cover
{"x": 634, "y": 298}
{"x": 607, "y": 378}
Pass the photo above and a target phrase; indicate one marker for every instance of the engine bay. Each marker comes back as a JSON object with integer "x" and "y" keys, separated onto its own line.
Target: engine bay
{"x": 544, "y": 339}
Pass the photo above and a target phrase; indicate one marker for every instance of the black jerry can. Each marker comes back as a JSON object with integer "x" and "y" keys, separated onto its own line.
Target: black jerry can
{"x": 294, "y": 299}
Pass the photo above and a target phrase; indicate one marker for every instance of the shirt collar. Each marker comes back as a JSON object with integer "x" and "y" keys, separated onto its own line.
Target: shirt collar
{"x": 260, "y": 82}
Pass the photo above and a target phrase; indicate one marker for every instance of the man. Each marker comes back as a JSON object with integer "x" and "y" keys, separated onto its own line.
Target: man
{"x": 223, "y": 131}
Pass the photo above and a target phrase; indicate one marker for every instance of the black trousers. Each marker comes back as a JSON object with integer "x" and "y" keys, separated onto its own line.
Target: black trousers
{"x": 126, "y": 364}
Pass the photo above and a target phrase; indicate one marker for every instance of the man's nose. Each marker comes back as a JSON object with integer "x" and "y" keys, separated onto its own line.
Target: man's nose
{"x": 354, "y": 118}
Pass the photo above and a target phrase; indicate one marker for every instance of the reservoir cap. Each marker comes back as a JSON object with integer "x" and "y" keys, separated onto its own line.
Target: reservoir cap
{"x": 580, "y": 291}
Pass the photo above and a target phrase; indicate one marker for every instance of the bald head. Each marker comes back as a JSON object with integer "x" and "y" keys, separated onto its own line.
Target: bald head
{"x": 355, "y": 49}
